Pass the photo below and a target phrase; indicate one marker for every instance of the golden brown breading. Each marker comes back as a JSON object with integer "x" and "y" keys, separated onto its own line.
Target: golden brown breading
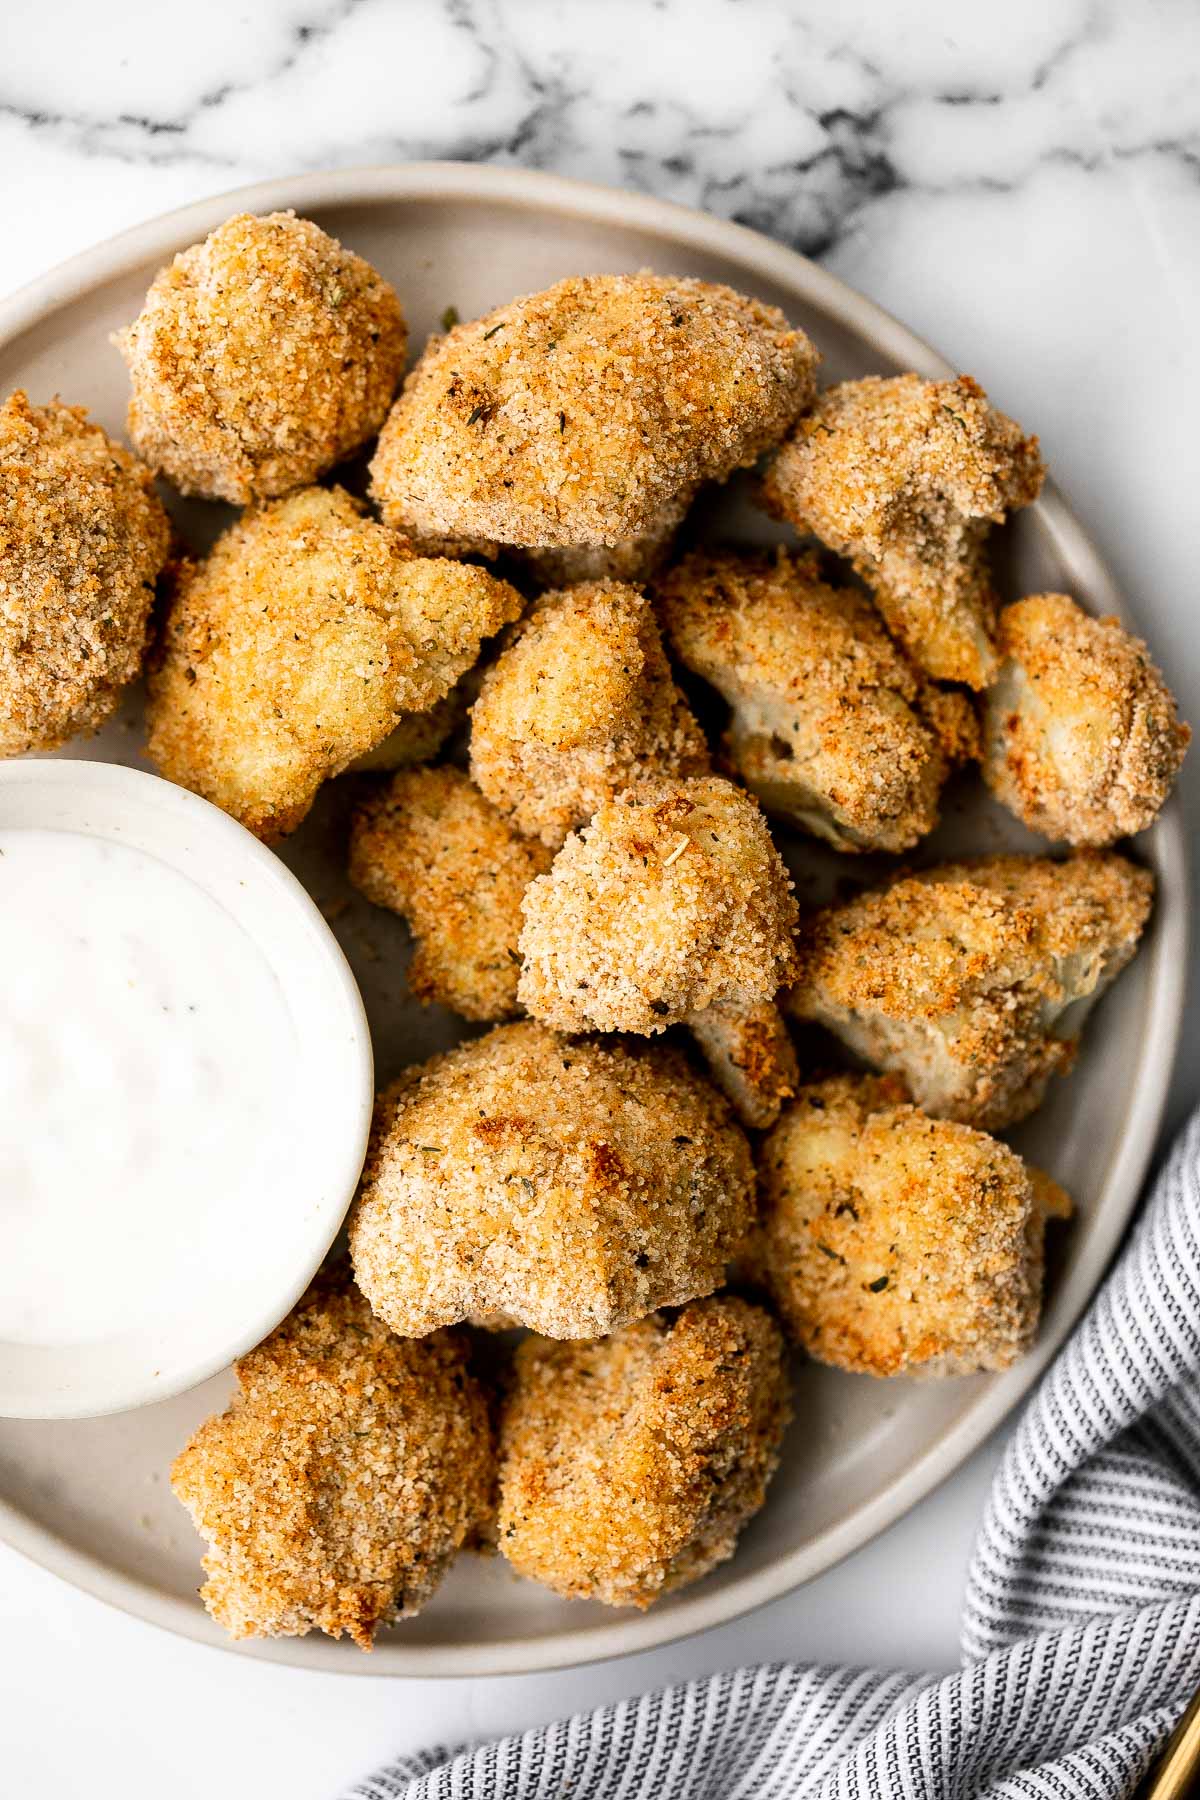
{"x": 672, "y": 900}
{"x": 633, "y": 559}
{"x": 972, "y": 980}
{"x": 261, "y": 358}
{"x": 750, "y": 1057}
{"x": 83, "y": 539}
{"x": 416, "y": 737}
{"x": 575, "y": 415}
{"x": 896, "y": 1244}
{"x": 296, "y": 645}
{"x": 570, "y": 1187}
{"x": 348, "y": 1469}
{"x": 430, "y": 847}
{"x": 952, "y": 717}
{"x": 420, "y": 735}
{"x": 904, "y": 477}
{"x": 828, "y": 727}
{"x": 577, "y": 706}
{"x": 630, "y": 1465}
{"x": 1083, "y": 739}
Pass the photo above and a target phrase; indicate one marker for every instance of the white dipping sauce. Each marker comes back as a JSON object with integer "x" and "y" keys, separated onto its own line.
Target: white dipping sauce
{"x": 148, "y": 1066}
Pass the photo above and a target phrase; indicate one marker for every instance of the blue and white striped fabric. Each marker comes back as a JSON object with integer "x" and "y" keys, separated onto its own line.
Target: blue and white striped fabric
{"x": 1081, "y": 1635}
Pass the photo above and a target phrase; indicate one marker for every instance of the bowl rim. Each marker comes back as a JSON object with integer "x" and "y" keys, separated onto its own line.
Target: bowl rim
{"x": 137, "y": 797}
{"x": 1165, "y": 952}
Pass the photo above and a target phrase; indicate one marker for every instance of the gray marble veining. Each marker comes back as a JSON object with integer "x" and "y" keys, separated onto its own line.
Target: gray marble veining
{"x": 797, "y": 119}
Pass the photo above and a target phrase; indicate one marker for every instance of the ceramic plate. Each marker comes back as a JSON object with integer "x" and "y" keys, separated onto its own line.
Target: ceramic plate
{"x": 91, "y": 1499}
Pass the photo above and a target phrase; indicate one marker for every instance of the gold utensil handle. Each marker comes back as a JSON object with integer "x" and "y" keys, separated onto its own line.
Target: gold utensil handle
{"x": 1177, "y": 1775}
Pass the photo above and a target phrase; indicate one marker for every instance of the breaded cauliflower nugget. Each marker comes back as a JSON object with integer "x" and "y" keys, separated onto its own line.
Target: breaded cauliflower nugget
{"x": 750, "y": 1057}
{"x": 574, "y": 416}
{"x": 630, "y": 1465}
{"x": 829, "y": 726}
{"x": 576, "y": 708}
{"x": 261, "y": 358}
{"x": 297, "y": 644}
{"x": 972, "y": 980}
{"x": 674, "y": 899}
{"x": 1083, "y": 739}
{"x": 893, "y": 1243}
{"x": 904, "y": 476}
{"x": 430, "y": 847}
{"x": 634, "y": 559}
{"x": 83, "y": 539}
{"x": 348, "y": 1469}
{"x": 569, "y": 1187}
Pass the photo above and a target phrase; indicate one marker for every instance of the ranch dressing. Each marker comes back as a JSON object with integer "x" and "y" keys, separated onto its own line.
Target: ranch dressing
{"x": 147, "y": 1067}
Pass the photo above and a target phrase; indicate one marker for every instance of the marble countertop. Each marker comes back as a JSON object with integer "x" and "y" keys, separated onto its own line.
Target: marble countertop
{"x": 1020, "y": 184}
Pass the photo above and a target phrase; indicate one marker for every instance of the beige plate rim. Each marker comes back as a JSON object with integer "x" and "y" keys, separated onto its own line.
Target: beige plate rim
{"x": 529, "y": 190}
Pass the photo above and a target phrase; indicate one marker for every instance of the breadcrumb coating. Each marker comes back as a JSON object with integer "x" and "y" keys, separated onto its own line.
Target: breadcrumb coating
{"x": 569, "y": 1187}
{"x": 750, "y": 1057}
{"x": 579, "y": 705}
{"x": 261, "y": 358}
{"x": 630, "y": 1465}
{"x": 574, "y": 416}
{"x": 348, "y": 1469}
{"x": 83, "y": 539}
{"x": 972, "y": 980}
{"x": 633, "y": 559}
{"x": 416, "y": 737}
{"x": 672, "y": 900}
{"x": 904, "y": 476}
{"x": 952, "y": 717}
{"x": 297, "y": 644}
{"x": 828, "y": 725}
{"x": 1083, "y": 738}
{"x": 430, "y": 847}
{"x": 895, "y": 1244}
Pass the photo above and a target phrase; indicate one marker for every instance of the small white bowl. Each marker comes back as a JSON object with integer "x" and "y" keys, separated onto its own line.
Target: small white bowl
{"x": 297, "y": 1217}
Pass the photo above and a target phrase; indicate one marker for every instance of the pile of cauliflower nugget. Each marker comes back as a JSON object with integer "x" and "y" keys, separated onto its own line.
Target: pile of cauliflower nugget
{"x": 596, "y": 870}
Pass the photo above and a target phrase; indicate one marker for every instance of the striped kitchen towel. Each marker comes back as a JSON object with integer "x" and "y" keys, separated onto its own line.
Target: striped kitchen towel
{"x": 1081, "y": 1634}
